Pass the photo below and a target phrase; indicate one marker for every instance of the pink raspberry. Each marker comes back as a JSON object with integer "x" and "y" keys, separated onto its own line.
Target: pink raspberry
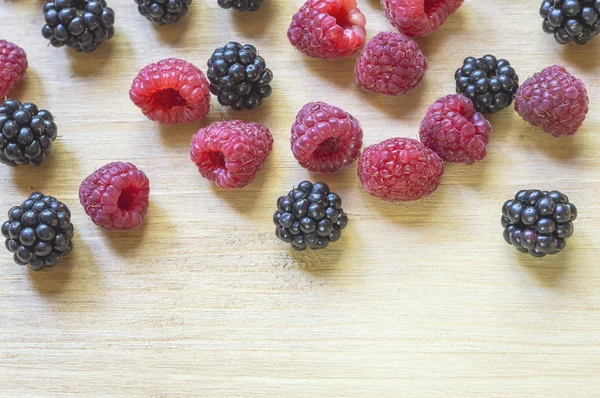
{"x": 325, "y": 139}
{"x": 232, "y": 153}
{"x": 13, "y": 64}
{"x": 116, "y": 196}
{"x": 328, "y": 28}
{"x": 390, "y": 64}
{"x": 554, "y": 100}
{"x": 419, "y": 17}
{"x": 400, "y": 169}
{"x": 171, "y": 91}
{"x": 455, "y": 131}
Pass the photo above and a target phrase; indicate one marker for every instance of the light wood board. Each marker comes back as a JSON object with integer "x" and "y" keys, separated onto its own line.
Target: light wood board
{"x": 418, "y": 299}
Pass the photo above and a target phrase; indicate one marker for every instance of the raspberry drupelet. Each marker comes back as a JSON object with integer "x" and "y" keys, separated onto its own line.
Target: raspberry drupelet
{"x": 325, "y": 139}
{"x": 171, "y": 91}
{"x": 419, "y": 17}
{"x": 116, "y": 196}
{"x": 455, "y": 130}
{"x": 328, "y": 28}
{"x": 390, "y": 64}
{"x": 13, "y": 64}
{"x": 554, "y": 100}
{"x": 400, "y": 169}
{"x": 232, "y": 153}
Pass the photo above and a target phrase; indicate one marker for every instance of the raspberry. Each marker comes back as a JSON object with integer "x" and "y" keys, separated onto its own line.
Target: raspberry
{"x": 325, "y": 139}
{"x": 13, "y": 64}
{"x": 328, "y": 28}
{"x": 455, "y": 131}
{"x": 390, "y": 64}
{"x": 400, "y": 169}
{"x": 171, "y": 91}
{"x": 419, "y": 17}
{"x": 231, "y": 154}
{"x": 554, "y": 100}
{"x": 116, "y": 196}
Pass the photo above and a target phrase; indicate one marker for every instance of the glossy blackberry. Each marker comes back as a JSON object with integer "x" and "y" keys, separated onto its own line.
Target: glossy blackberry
{"x": 39, "y": 231}
{"x": 26, "y": 133}
{"x": 538, "y": 222}
{"x": 489, "y": 82}
{"x": 162, "y": 12}
{"x": 571, "y": 20}
{"x": 79, "y": 24}
{"x": 240, "y": 5}
{"x": 239, "y": 77}
{"x": 310, "y": 216}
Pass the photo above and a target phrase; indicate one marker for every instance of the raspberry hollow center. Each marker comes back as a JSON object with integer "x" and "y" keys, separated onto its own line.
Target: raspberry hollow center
{"x": 217, "y": 159}
{"x": 168, "y": 98}
{"x": 126, "y": 199}
{"x": 328, "y": 147}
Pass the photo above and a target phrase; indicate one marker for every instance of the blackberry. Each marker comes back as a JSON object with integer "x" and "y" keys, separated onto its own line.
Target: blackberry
{"x": 310, "y": 216}
{"x": 571, "y": 20}
{"x": 239, "y": 77}
{"x": 538, "y": 222}
{"x": 240, "y": 5}
{"x": 162, "y": 12}
{"x": 39, "y": 232}
{"x": 26, "y": 133}
{"x": 489, "y": 82}
{"x": 79, "y": 24}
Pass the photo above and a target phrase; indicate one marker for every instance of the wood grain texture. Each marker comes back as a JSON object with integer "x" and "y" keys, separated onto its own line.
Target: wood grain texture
{"x": 420, "y": 299}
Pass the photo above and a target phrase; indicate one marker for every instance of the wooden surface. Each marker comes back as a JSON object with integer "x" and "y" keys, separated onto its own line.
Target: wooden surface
{"x": 420, "y": 299}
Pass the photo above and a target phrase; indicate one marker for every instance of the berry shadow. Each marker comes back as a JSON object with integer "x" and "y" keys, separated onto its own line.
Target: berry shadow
{"x": 252, "y": 24}
{"x": 86, "y": 64}
{"x": 173, "y": 33}
{"x": 550, "y": 270}
{"x": 339, "y": 71}
{"x": 30, "y": 89}
{"x": 584, "y": 56}
{"x": 396, "y": 106}
{"x": 125, "y": 243}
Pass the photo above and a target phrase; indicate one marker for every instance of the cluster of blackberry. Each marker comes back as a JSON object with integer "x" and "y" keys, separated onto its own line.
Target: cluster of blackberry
{"x": 240, "y": 5}
{"x": 163, "y": 12}
{"x": 571, "y": 20}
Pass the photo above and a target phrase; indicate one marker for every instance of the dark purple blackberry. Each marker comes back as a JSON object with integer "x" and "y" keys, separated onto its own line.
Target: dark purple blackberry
{"x": 489, "y": 82}
{"x": 240, "y": 5}
{"x": 39, "y": 232}
{"x": 79, "y": 24}
{"x": 162, "y": 12}
{"x": 26, "y": 133}
{"x": 571, "y": 20}
{"x": 538, "y": 222}
{"x": 310, "y": 216}
{"x": 239, "y": 77}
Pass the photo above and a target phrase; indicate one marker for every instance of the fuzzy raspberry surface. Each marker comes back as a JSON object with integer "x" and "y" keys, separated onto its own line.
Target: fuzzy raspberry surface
{"x": 171, "y": 91}
{"x": 13, "y": 64}
{"x": 116, "y": 196}
{"x": 328, "y": 28}
{"x": 232, "y": 153}
{"x": 455, "y": 130}
{"x": 390, "y": 64}
{"x": 400, "y": 169}
{"x": 325, "y": 138}
{"x": 419, "y": 17}
{"x": 554, "y": 100}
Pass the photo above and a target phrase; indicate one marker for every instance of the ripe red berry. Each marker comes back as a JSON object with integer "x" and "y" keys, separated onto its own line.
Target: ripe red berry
{"x": 400, "y": 169}
{"x": 419, "y": 17}
{"x": 554, "y": 100}
{"x": 13, "y": 64}
{"x": 325, "y": 139}
{"x": 171, "y": 91}
{"x": 455, "y": 131}
{"x": 116, "y": 196}
{"x": 328, "y": 28}
{"x": 232, "y": 153}
{"x": 390, "y": 64}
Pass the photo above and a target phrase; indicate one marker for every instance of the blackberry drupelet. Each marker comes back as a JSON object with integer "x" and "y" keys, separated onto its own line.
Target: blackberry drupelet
{"x": 162, "y": 12}
{"x": 538, "y": 222}
{"x": 310, "y": 216}
{"x": 571, "y": 20}
{"x": 26, "y": 133}
{"x": 79, "y": 24}
{"x": 239, "y": 77}
{"x": 489, "y": 82}
{"x": 240, "y": 5}
{"x": 39, "y": 231}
